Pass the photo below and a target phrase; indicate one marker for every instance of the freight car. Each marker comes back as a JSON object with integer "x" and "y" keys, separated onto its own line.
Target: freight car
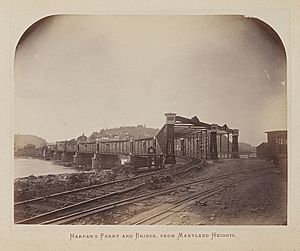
{"x": 149, "y": 161}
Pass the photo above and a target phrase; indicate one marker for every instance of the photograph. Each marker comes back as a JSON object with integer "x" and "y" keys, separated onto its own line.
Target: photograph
{"x": 174, "y": 120}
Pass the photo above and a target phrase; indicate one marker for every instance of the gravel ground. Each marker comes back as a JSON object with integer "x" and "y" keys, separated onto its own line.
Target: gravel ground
{"x": 261, "y": 199}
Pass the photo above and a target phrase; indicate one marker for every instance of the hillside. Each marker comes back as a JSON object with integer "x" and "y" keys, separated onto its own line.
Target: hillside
{"x": 22, "y": 140}
{"x": 245, "y": 147}
{"x": 124, "y": 132}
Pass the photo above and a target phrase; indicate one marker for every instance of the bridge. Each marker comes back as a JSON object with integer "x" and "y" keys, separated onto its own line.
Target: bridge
{"x": 179, "y": 136}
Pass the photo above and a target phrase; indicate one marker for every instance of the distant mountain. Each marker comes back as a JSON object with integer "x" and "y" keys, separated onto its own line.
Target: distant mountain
{"x": 22, "y": 140}
{"x": 245, "y": 147}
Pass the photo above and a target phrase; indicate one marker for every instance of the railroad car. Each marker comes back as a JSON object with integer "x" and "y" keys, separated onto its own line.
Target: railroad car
{"x": 149, "y": 161}
{"x": 276, "y": 147}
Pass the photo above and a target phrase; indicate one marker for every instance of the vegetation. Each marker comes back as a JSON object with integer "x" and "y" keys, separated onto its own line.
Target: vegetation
{"x": 29, "y": 146}
{"x": 124, "y": 132}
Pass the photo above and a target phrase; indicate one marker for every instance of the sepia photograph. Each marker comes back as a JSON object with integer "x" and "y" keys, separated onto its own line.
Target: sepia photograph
{"x": 174, "y": 120}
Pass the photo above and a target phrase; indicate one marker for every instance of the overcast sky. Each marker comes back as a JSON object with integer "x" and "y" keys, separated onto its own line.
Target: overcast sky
{"x": 76, "y": 74}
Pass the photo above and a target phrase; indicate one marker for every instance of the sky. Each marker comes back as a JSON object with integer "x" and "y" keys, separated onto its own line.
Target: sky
{"x": 77, "y": 74}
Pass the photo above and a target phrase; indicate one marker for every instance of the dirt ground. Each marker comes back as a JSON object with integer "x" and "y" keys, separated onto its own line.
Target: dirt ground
{"x": 254, "y": 197}
{"x": 259, "y": 199}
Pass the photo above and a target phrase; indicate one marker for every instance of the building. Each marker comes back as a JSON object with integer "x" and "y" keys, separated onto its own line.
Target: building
{"x": 275, "y": 148}
{"x": 261, "y": 150}
{"x": 277, "y": 144}
{"x": 82, "y": 138}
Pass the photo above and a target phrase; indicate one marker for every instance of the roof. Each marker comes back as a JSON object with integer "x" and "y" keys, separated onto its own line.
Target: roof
{"x": 182, "y": 129}
{"x": 277, "y": 131}
{"x": 185, "y": 126}
{"x": 262, "y": 145}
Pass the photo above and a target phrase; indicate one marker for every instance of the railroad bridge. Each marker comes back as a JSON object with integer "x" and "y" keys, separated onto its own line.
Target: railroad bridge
{"x": 179, "y": 136}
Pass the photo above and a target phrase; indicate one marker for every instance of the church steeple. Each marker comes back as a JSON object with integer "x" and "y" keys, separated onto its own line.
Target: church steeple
{"x": 82, "y": 138}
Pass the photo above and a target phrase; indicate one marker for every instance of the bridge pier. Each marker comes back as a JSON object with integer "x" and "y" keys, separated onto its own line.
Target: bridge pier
{"x": 76, "y": 158}
{"x": 182, "y": 148}
{"x": 170, "y": 149}
{"x": 213, "y": 141}
{"x": 83, "y": 159}
{"x": 57, "y": 155}
{"x": 95, "y": 161}
{"x": 220, "y": 145}
{"x": 67, "y": 156}
{"x": 49, "y": 154}
{"x": 104, "y": 161}
{"x": 235, "y": 144}
{"x": 131, "y": 147}
{"x": 228, "y": 143}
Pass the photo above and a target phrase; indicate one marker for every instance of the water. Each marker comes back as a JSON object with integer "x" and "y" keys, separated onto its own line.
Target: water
{"x": 26, "y": 167}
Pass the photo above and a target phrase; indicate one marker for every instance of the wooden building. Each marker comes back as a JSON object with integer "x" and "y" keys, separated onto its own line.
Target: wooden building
{"x": 276, "y": 147}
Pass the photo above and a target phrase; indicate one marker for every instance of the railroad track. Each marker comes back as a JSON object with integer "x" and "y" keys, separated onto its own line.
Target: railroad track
{"x": 41, "y": 198}
{"x": 183, "y": 203}
{"x": 38, "y": 202}
{"x": 71, "y": 214}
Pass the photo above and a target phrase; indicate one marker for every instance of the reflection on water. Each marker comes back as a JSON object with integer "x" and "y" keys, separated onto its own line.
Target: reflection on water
{"x": 26, "y": 167}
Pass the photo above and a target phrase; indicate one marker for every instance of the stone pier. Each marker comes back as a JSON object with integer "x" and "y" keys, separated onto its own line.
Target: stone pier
{"x": 67, "y": 156}
{"x": 105, "y": 161}
{"x": 213, "y": 141}
{"x": 170, "y": 148}
{"x": 235, "y": 144}
{"x": 83, "y": 159}
{"x": 57, "y": 155}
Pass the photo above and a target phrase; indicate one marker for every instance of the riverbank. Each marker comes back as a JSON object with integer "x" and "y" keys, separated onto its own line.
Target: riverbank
{"x": 35, "y": 186}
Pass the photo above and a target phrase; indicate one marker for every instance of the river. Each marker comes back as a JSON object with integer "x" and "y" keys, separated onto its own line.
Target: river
{"x": 26, "y": 167}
